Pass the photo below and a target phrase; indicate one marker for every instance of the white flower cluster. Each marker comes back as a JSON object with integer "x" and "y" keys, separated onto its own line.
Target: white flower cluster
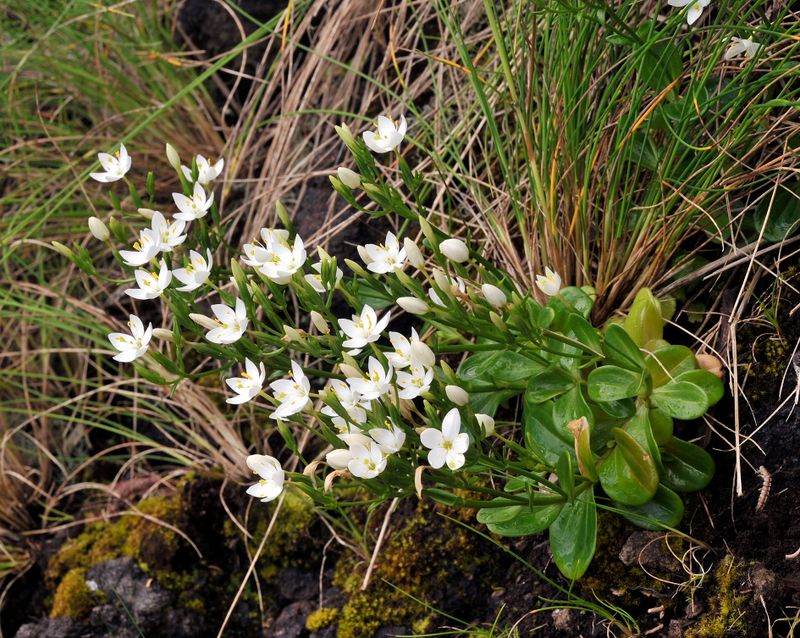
{"x": 737, "y": 46}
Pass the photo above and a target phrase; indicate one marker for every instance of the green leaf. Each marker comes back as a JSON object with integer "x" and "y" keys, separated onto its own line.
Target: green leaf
{"x": 152, "y": 377}
{"x": 661, "y": 62}
{"x": 611, "y": 383}
{"x": 686, "y": 466}
{"x": 581, "y": 330}
{"x": 488, "y": 402}
{"x": 526, "y": 522}
{"x": 662, "y": 426}
{"x": 643, "y": 322}
{"x": 573, "y": 535}
{"x": 667, "y": 363}
{"x": 499, "y": 366}
{"x": 566, "y": 473}
{"x": 784, "y": 213}
{"x": 638, "y": 426}
{"x": 708, "y": 381}
{"x": 488, "y": 515}
{"x": 628, "y": 474}
{"x": 548, "y": 384}
{"x": 544, "y": 436}
{"x": 665, "y": 509}
{"x": 620, "y": 348}
{"x": 575, "y": 299}
{"x": 681, "y": 400}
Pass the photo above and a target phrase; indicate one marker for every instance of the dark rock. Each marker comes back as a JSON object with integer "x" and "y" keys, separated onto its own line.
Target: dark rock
{"x": 332, "y": 597}
{"x": 108, "y": 620}
{"x": 297, "y": 584}
{"x": 328, "y": 632}
{"x": 649, "y": 550}
{"x": 391, "y": 632}
{"x": 50, "y": 628}
{"x": 291, "y": 623}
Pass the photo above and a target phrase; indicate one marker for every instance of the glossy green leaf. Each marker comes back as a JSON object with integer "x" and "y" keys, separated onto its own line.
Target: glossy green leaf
{"x": 566, "y": 473}
{"x": 488, "y": 402}
{"x": 638, "y": 426}
{"x": 665, "y": 509}
{"x": 784, "y": 213}
{"x": 681, "y": 400}
{"x": 686, "y": 466}
{"x": 488, "y": 515}
{"x": 710, "y": 383}
{"x": 643, "y": 322}
{"x": 628, "y": 474}
{"x": 668, "y": 362}
{"x": 573, "y": 535}
{"x": 661, "y": 62}
{"x": 545, "y": 437}
{"x": 548, "y": 384}
{"x": 611, "y": 383}
{"x": 499, "y": 366}
{"x": 662, "y": 426}
{"x": 528, "y": 521}
{"x": 621, "y": 349}
{"x": 576, "y": 299}
{"x": 581, "y": 330}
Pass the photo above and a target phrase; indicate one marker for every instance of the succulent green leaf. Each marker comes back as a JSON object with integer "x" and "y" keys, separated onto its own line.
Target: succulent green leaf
{"x": 681, "y": 400}
{"x": 665, "y": 509}
{"x": 686, "y": 466}
{"x": 621, "y": 349}
{"x": 611, "y": 383}
{"x": 525, "y": 521}
{"x": 573, "y": 535}
{"x": 628, "y": 474}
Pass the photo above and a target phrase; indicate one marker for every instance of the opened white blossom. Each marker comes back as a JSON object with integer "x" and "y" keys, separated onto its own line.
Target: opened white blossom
{"x": 409, "y": 352}
{"x": 348, "y": 177}
{"x": 196, "y": 273}
{"x": 549, "y": 283}
{"x": 363, "y": 329}
{"x": 206, "y": 171}
{"x": 414, "y": 382}
{"x": 386, "y": 257}
{"x": 741, "y": 46}
{"x": 151, "y": 284}
{"x": 168, "y": 234}
{"x": 256, "y": 254}
{"x": 448, "y": 284}
{"x": 389, "y": 438}
{"x": 695, "y": 10}
{"x": 292, "y": 394}
{"x": 193, "y": 207}
{"x": 387, "y": 134}
{"x": 271, "y": 477}
{"x": 339, "y": 458}
{"x": 454, "y": 249}
{"x": 315, "y": 280}
{"x": 230, "y": 323}
{"x": 114, "y": 166}
{"x": 367, "y": 461}
{"x": 282, "y": 261}
{"x": 448, "y": 445}
{"x": 144, "y": 250}
{"x": 352, "y": 403}
{"x": 134, "y": 345}
{"x": 248, "y": 385}
{"x": 375, "y": 384}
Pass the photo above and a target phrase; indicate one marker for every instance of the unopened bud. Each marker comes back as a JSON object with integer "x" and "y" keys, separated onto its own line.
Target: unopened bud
{"x": 442, "y": 280}
{"x": 292, "y": 334}
{"x": 494, "y": 295}
{"x": 63, "y": 250}
{"x": 173, "y": 158}
{"x": 422, "y": 353}
{"x": 319, "y": 322}
{"x": 413, "y": 253}
{"x": 498, "y": 322}
{"x": 207, "y": 322}
{"x": 163, "y": 333}
{"x": 486, "y": 422}
{"x": 413, "y": 305}
{"x": 711, "y": 363}
{"x": 147, "y": 213}
{"x": 351, "y": 372}
{"x": 349, "y": 178}
{"x": 338, "y": 459}
{"x": 455, "y": 250}
{"x": 362, "y": 252}
{"x": 427, "y": 230}
{"x": 355, "y": 268}
{"x": 346, "y": 135}
{"x": 457, "y": 395}
{"x": 98, "y": 229}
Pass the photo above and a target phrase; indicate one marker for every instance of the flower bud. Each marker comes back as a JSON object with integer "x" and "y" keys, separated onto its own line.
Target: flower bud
{"x": 457, "y": 395}
{"x": 455, "y": 250}
{"x": 351, "y": 372}
{"x": 349, "y": 178}
{"x": 442, "y": 280}
{"x": 163, "y": 333}
{"x": 338, "y": 459}
{"x": 494, "y": 295}
{"x": 355, "y": 268}
{"x": 319, "y": 323}
{"x": 413, "y": 305}
{"x": 413, "y": 253}
{"x": 427, "y": 230}
{"x": 147, "y": 213}
{"x": 422, "y": 353}
{"x": 206, "y": 322}
{"x": 63, "y": 250}
{"x": 98, "y": 229}
{"x": 362, "y": 252}
{"x": 486, "y": 422}
{"x": 292, "y": 334}
{"x": 346, "y": 135}
{"x": 173, "y": 158}
{"x": 498, "y": 322}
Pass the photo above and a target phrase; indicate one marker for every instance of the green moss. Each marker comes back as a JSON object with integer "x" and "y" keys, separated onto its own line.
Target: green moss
{"x": 321, "y": 618}
{"x": 727, "y": 614}
{"x": 73, "y": 598}
{"x": 290, "y": 544}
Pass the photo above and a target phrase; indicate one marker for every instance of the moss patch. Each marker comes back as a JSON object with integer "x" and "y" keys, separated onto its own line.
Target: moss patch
{"x": 291, "y": 543}
{"x": 727, "y": 605}
{"x": 73, "y": 598}
{"x": 321, "y": 618}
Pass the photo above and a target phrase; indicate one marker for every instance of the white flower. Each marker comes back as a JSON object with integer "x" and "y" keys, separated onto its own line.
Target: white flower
{"x": 386, "y": 136}
{"x": 349, "y": 178}
{"x": 385, "y": 257}
{"x": 115, "y": 166}
{"x": 367, "y": 461}
{"x": 257, "y": 255}
{"x": 206, "y": 172}
{"x": 339, "y": 458}
{"x": 414, "y": 382}
{"x": 98, "y": 228}
{"x": 549, "y": 283}
{"x": 351, "y": 402}
{"x": 193, "y": 207}
{"x": 282, "y": 262}
{"x": 451, "y": 285}
{"x": 413, "y": 253}
{"x": 741, "y": 46}
{"x": 230, "y": 323}
{"x": 135, "y": 344}
{"x": 168, "y": 235}
{"x": 270, "y": 485}
{"x": 151, "y": 284}
{"x": 248, "y": 385}
{"x": 390, "y": 439}
{"x": 363, "y": 329}
{"x": 456, "y": 394}
{"x": 695, "y": 8}
{"x": 413, "y": 305}
{"x": 144, "y": 250}
{"x": 494, "y": 295}
{"x": 409, "y": 352}
{"x": 315, "y": 281}
{"x": 454, "y": 249}
{"x": 375, "y": 384}
{"x": 486, "y": 422}
{"x": 447, "y": 446}
{"x": 196, "y": 273}
{"x": 292, "y": 394}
